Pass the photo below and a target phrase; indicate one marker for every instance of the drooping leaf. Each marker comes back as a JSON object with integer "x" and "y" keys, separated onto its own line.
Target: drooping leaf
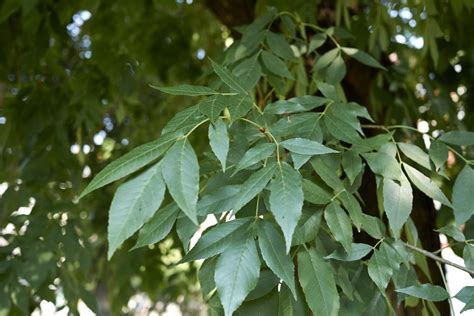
{"x": 272, "y": 246}
{"x": 248, "y": 71}
{"x": 254, "y": 155}
{"x": 339, "y": 224}
{"x": 353, "y": 208}
{"x": 383, "y": 164}
{"x": 425, "y": 185}
{"x": 286, "y": 200}
{"x": 133, "y": 204}
{"x": 212, "y": 107}
{"x": 254, "y": 185}
{"x": 416, "y": 154}
{"x": 373, "y": 226}
{"x": 317, "y": 280}
{"x": 466, "y": 295}
{"x": 304, "y": 146}
{"x": 328, "y": 175}
{"x": 380, "y": 270}
{"x": 336, "y": 71}
{"x": 426, "y": 292}
{"x": 397, "y": 202}
{"x": 458, "y": 138}
{"x": 266, "y": 283}
{"x": 206, "y": 276}
{"x": 362, "y": 57}
{"x": 238, "y": 106}
{"x": 219, "y": 141}
{"x": 325, "y": 60}
{"x": 438, "y": 153}
{"x": 130, "y": 162}
{"x": 275, "y": 65}
{"x": 352, "y": 164}
{"x": 316, "y": 41}
{"x": 185, "y": 228}
{"x": 468, "y": 256}
{"x": 181, "y": 174}
{"x": 237, "y": 272}
{"x": 308, "y": 226}
{"x": 358, "y": 251}
{"x": 158, "y": 227}
{"x": 279, "y": 46}
{"x": 299, "y": 160}
{"x": 217, "y": 239}
{"x": 288, "y": 306}
{"x": 186, "y": 89}
{"x": 228, "y": 78}
{"x": 463, "y": 195}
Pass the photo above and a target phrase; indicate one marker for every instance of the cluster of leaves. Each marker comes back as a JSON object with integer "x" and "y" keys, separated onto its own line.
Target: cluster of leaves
{"x": 282, "y": 183}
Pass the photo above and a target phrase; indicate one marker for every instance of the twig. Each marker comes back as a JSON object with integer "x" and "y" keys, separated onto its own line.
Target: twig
{"x": 439, "y": 259}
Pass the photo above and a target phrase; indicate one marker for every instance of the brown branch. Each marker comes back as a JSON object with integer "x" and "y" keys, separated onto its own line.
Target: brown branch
{"x": 439, "y": 259}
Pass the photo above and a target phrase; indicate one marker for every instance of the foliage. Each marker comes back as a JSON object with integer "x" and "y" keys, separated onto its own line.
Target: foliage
{"x": 269, "y": 201}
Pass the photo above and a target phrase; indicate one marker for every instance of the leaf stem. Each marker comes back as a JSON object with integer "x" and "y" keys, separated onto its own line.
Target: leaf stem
{"x": 266, "y": 132}
{"x": 315, "y": 27}
{"x": 446, "y": 286}
{"x": 437, "y": 258}
{"x": 454, "y": 243}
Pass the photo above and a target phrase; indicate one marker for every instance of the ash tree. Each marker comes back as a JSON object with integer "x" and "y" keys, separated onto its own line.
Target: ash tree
{"x": 288, "y": 152}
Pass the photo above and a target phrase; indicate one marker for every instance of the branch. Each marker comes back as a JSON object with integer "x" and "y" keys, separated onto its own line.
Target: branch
{"x": 439, "y": 259}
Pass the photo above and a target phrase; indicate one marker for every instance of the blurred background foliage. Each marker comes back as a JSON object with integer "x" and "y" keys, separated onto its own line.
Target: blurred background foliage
{"x": 74, "y": 95}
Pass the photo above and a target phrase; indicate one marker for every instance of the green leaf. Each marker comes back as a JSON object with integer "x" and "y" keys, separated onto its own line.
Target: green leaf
{"x": 373, "y": 226}
{"x": 453, "y": 232}
{"x": 266, "y": 283}
{"x": 383, "y": 164}
{"x": 308, "y": 226}
{"x": 358, "y": 251}
{"x": 181, "y": 174}
{"x": 340, "y": 128}
{"x": 362, "y": 57}
{"x": 339, "y": 224}
{"x": 219, "y": 141}
{"x": 218, "y": 201}
{"x": 158, "y": 227}
{"x": 424, "y": 184}
{"x": 438, "y": 153}
{"x": 380, "y": 270}
{"x": 212, "y": 107}
{"x": 466, "y": 295}
{"x": 254, "y": 185}
{"x": 183, "y": 121}
{"x": 217, "y": 239}
{"x": 336, "y": 70}
{"x": 286, "y": 200}
{"x": 133, "y": 204}
{"x": 185, "y": 89}
{"x": 237, "y": 272}
{"x": 314, "y": 194}
{"x": 299, "y": 160}
{"x": 238, "y": 106}
{"x": 416, "y": 154}
{"x": 458, "y": 138}
{"x": 228, "y": 78}
{"x": 254, "y": 155}
{"x": 272, "y": 246}
{"x": 249, "y": 72}
{"x": 426, "y": 292}
{"x": 288, "y": 306}
{"x": 303, "y": 125}
{"x": 317, "y": 280}
{"x": 130, "y": 162}
{"x": 279, "y": 46}
{"x": 206, "y": 277}
{"x": 295, "y": 105}
{"x": 328, "y": 175}
{"x": 353, "y": 208}
{"x": 463, "y": 195}
{"x": 397, "y": 202}
{"x": 304, "y": 146}
{"x": 275, "y": 65}
{"x": 468, "y": 256}
{"x": 185, "y": 228}
{"x": 352, "y": 165}
{"x": 317, "y": 41}
{"x": 325, "y": 60}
